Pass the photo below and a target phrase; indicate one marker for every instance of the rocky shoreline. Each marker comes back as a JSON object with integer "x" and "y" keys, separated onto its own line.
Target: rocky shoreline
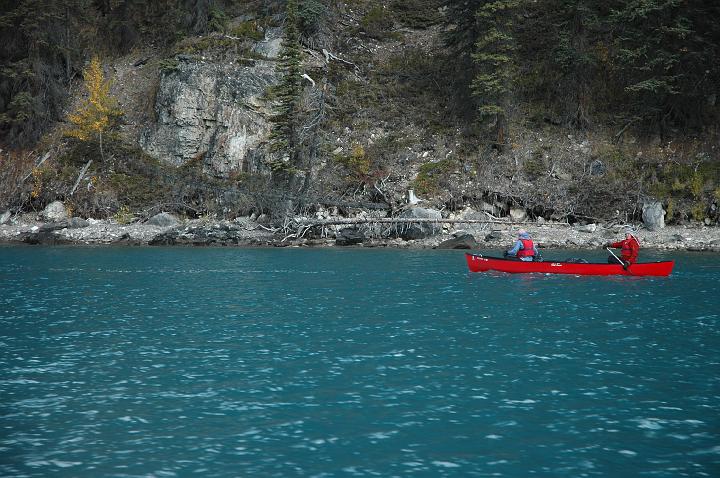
{"x": 248, "y": 232}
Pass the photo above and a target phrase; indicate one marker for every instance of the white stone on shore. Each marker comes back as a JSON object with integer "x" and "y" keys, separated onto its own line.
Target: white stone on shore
{"x": 54, "y": 212}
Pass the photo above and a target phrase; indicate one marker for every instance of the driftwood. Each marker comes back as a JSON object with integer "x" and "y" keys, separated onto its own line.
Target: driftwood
{"x": 304, "y": 225}
{"x": 44, "y": 158}
{"x": 412, "y": 220}
{"x": 329, "y": 56}
{"x": 80, "y": 176}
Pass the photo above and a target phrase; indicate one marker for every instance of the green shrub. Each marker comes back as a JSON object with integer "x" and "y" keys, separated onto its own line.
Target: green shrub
{"x": 377, "y": 22}
{"x": 247, "y": 30}
{"x": 309, "y": 14}
{"x": 357, "y": 162}
{"x": 698, "y": 211}
{"x": 218, "y": 20}
{"x": 535, "y": 166}
{"x": 417, "y": 13}
{"x": 430, "y": 174}
{"x": 124, "y": 215}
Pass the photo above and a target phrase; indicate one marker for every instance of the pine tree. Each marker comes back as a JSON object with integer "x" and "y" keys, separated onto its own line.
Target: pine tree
{"x": 99, "y": 113}
{"x": 461, "y": 33}
{"x": 41, "y": 41}
{"x": 284, "y": 136}
{"x": 495, "y": 59}
{"x": 666, "y": 52}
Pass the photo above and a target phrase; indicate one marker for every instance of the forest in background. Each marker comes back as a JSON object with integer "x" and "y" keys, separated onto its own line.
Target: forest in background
{"x": 641, "y": 68}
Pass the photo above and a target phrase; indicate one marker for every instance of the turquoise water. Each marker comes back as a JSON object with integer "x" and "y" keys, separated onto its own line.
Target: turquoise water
{"x": 130, "y": 362}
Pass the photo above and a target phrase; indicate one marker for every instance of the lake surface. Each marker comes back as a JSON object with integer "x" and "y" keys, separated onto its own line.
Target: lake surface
{"x": 161, "y": 362}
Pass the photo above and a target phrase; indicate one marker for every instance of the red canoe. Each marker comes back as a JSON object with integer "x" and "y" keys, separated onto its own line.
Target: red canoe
{"x": 478, "y": 263}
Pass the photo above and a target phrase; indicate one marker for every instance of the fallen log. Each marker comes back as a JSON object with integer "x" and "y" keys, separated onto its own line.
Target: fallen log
{"x": 408, "y": 220}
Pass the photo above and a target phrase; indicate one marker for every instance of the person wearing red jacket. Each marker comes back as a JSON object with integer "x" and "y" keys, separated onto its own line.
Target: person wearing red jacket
{"x": 629, "y": 250}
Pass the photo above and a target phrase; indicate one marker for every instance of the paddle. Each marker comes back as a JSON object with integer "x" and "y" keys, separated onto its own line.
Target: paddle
{"x": 616, "y": 257}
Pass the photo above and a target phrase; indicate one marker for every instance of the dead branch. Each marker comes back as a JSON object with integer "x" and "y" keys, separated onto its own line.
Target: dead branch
{"x": 329, "y": 56}
{"x": 80, "y": 176}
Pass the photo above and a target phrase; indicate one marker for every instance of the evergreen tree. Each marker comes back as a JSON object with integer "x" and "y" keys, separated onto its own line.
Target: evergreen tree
{"x": 564, "y": 51}
{"x": 494, "y": 56}
{"x": 666, "y": 53}
{"x": 284, "y": 141}
{"x": 462, "y": 31}
{"x": 41, "y": 41}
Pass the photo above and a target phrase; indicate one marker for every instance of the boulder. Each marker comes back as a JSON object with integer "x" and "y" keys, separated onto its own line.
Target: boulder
{"x": 164, "y": 219}
{"x": 412, "y": 231}
{"x": 77, "y": 223}
{"x": 517, "y": 214}
{"x": 490, "y": 208}
{"x": 464, "y": 241}
{"x": 653, "y": 215}
{"x": 54, "y": 212}
{"x": 677, "y": 238}
{"x": 5, "y": 217}
{"x": 348, "y": 237}
{"x": 587, "y": 228}
{"x": 494, "y": 236}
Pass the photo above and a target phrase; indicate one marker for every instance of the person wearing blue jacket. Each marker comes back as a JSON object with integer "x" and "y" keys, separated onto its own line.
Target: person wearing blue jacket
{"x": 524, "y": 249}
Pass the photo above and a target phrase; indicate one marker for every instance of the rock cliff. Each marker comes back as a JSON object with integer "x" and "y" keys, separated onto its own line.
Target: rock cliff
{"x": 212, "y": 112}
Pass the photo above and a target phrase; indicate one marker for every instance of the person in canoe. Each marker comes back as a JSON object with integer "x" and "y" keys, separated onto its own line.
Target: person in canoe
{"x": 629, "y": 250}
{"x": 524, "y": 249}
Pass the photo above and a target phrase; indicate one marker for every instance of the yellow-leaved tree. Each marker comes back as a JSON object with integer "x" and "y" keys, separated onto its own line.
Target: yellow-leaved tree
{"x": 99, "y": 113}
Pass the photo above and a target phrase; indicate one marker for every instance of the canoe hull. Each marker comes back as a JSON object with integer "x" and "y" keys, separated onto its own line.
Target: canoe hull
{"x": 478, "y": 263}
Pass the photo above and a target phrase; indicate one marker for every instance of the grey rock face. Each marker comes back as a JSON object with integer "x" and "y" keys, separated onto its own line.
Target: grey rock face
{"x": 5, "y": 217}
{"x": 653, "y": 215}
{"x": 421, "y": 230}
{"x": 349, "y": 236}
{"x": 465, "y": 241}
{"x": 164, "y": 219}
{"x": 271, "y": 45}
{"x": 54, "y": 212}
{"x": 213, "y": 111}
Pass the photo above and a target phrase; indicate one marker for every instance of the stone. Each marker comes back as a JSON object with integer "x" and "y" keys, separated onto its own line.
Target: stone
{"x": 54, "y": 212}
{"x": 587, "y": 228}
{"x": 517, "y": 214}
{"x": 53, "y": 226}
{"x": 5, "y": 217}
{"x": 212, "y": 113}
{"x": 490, "y": 208}
{"x": 677, "y": 238}
{"x": 412, "y": 231}
{"x": 164, "y": 219}
{"x": 563, "y": 175}
{"x": 349, "y": 237}
{"x": 465, "y": 241}
{"x": 541, "y": 220}
{"x": 653, "y": 215}
{"x": 597, "y": 168}
{"x": 77, "y": 223}
{"x": 494, "y": 236}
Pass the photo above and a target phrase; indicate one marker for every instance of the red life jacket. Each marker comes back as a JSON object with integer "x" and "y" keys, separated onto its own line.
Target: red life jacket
{"x": 630, "y": 249}
{"x": 528, "y": 249}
